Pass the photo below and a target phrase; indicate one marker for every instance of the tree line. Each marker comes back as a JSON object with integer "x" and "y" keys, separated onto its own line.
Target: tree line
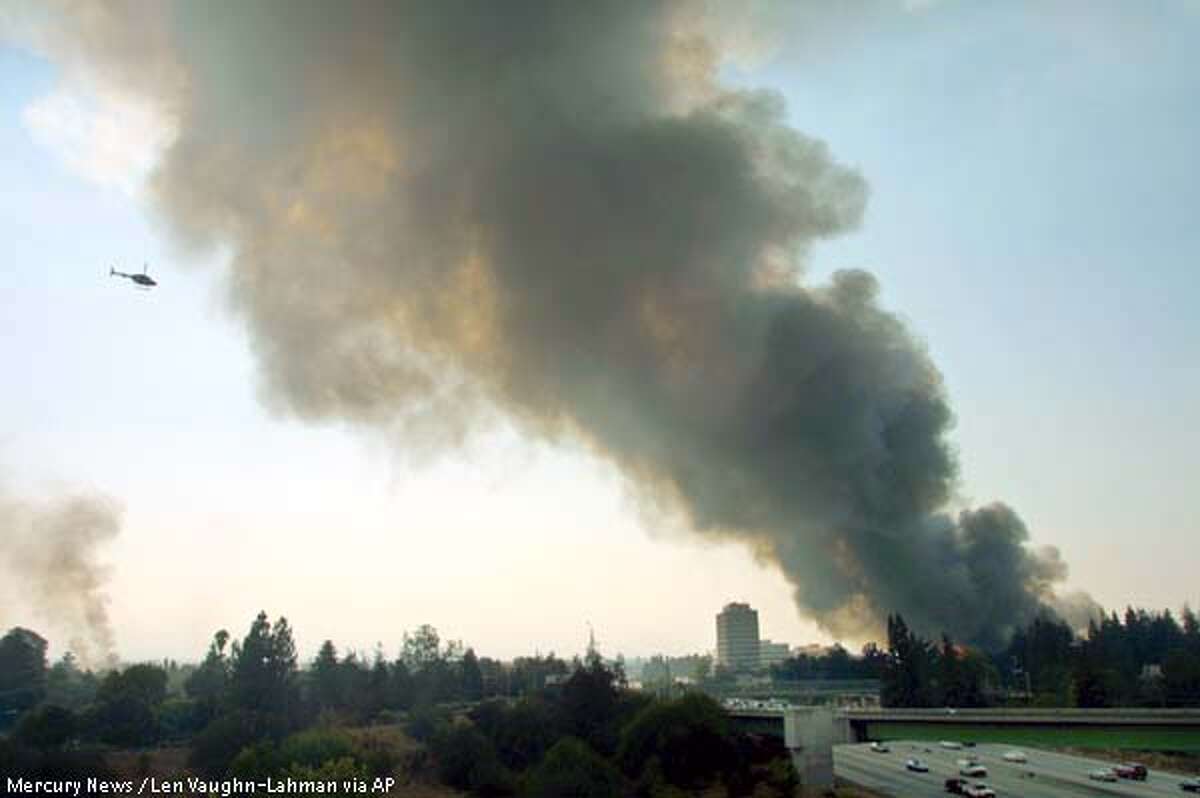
{"x": 834, "y": 664}
{"x": 538, "y": 726}
{"x": 256, "y": 678}
{"x": 1143, "y": 659}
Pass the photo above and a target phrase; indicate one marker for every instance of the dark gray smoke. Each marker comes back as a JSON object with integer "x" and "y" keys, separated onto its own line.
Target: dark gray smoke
{"x": 438, "y": 210}
{"x": 49, "y": 560}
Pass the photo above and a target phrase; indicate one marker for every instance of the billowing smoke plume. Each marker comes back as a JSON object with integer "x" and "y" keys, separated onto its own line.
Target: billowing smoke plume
{"x": 555, "y": 210}
{"x": 49, "y": 561}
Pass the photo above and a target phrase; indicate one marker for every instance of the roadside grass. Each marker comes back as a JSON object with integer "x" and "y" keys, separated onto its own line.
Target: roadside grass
{"x": 1173, "y": 761}
{"x": 1131, "y": 738}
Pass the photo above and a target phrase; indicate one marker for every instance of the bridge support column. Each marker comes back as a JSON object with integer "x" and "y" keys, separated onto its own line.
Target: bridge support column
{"x": 808, "y": 733}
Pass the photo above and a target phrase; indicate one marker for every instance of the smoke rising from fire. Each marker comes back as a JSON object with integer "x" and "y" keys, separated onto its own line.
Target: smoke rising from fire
{"x": 556, "y": 211}
{"x": 50, "y": 561}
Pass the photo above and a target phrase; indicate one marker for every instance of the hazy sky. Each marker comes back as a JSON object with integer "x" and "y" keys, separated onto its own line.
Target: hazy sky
{"x": 1034, "y": 187}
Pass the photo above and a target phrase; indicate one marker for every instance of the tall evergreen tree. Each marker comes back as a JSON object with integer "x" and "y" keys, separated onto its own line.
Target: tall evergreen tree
{"x": 264, "y": 670}
{"x": 472, "y": 677}
{"x": 327, "y": 678}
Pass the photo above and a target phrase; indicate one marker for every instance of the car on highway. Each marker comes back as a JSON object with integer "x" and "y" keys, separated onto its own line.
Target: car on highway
{"x": 950, "y": 745}
{"x": 972, "y": 769}
{"x": 955, "y": 786}
{"x": 1015, "y": 756}
{"x": 979, "y": 790}
{"x": 916, "y": 766}
{"x": 1102, "y": 774}
{"x": 879, "y": 748}
{"x": 1131, "y": 770}
{"x": 1190, "y": 785}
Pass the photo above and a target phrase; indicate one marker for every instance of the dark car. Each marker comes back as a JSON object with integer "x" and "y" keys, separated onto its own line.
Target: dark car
{"x": 1131, "y": 770}
{"x": 955, "y": 786}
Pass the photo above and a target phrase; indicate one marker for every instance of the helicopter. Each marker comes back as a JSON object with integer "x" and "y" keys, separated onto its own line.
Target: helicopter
{"x": 143, "y": 280}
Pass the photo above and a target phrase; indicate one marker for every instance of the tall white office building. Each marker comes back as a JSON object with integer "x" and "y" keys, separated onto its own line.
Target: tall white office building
{"x": 737, "y": 637}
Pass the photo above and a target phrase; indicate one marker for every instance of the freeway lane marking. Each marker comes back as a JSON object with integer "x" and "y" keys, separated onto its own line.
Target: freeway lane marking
{"x": 1057, "y": 775}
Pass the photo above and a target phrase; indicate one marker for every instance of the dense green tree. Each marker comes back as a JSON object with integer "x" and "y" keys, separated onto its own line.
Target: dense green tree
{"x": 522, "y": 733}
{"x": 571, "y": 769}
{"x": 466, "y": 760}
{"x": 214, "y": 749}
{"x": 180, "y": 718}
{"x": 22, "y": 671}
{"x": 1181, "y": 678}
{"x": 144, "y": 682}
{"x": 46, "y": 727}
{"x": 125, "y": 712}
{"x": 590, "y": 704}
{"x": 124, "y": 719}
{"x": 208, "y": 684}
{"x": 687, "y": 740}
{"x": 69, "y": 687}
{"x": 263, "y": 678}
{"x": 1190, "y": 628}
{"x": 421, "y": 649}
{"x": 907, "y": 675}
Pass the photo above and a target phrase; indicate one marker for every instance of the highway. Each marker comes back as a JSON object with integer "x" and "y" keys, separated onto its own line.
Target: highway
{"x": 1053, "y": 775}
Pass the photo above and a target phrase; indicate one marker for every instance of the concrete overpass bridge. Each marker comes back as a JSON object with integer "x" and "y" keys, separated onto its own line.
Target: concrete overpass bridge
{"x": 811, "y": 732}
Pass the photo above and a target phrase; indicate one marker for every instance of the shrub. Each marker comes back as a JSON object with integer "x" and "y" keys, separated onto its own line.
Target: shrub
{"x": 573, "y": 770}
{"x": 425, "y": 722}
{"x": 315, "y": 747}
{"x": 46, "y": 727}
{"x": 466, "y": 760}
{"x": 689, "y": 737}
{"x": 215, "y": 748}
{"x": 341, "y": 769}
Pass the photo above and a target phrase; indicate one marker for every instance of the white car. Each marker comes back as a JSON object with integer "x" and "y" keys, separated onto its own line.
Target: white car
{"x": 979, "y": 790}
{"x": 916, "y": 766}
{"x": 951, "y": 746}
{"x": 974, "y": 770}
{"x": 1190, "y": 785}
{"x": 879, "y": 748}
{"x": 1015, "y": 756}
{"x": 1102, "y": 775}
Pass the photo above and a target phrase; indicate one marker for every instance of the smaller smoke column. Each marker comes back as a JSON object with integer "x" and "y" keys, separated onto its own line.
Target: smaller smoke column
{"x": 50, "y": 558}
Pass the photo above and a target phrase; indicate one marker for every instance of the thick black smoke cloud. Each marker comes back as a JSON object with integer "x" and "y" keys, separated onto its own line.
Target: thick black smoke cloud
{"x": 554, "y": 210}
{"x": 50, "y": 561}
